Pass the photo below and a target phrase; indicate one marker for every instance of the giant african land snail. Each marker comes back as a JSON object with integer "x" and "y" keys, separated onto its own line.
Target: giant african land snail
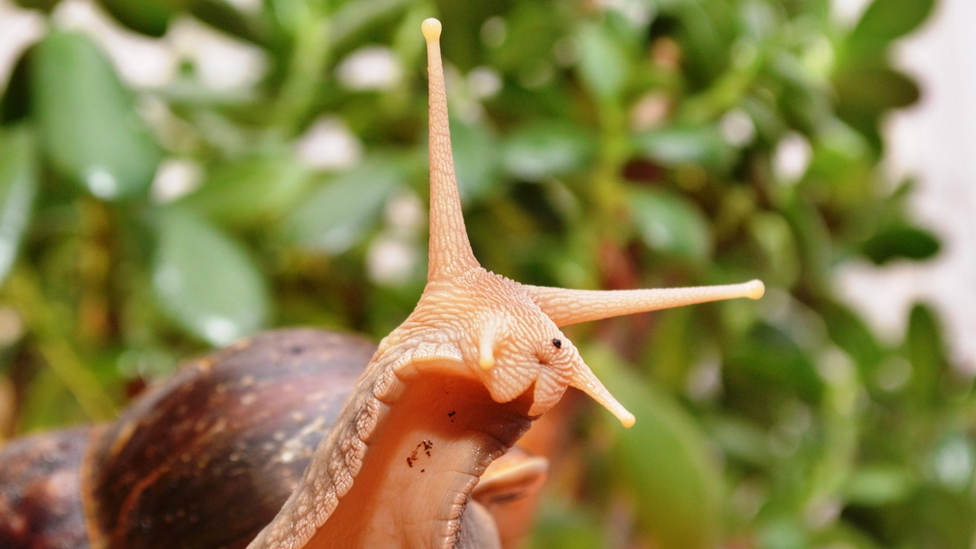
{"x": 219, "y": 447}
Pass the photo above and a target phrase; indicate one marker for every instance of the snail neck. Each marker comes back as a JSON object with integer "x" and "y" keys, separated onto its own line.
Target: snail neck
{"x": 424, "y": 459}
{"x": 400, "y": 463}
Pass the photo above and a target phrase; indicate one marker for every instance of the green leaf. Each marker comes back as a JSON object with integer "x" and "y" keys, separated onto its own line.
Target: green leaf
{"x": 803, "y": 99}
{"x": 150, "y": 17}
{"x": 546, "y": 148}
{"x": 901, "y": 242}
{"x": 784, "y": 533}
{"x": 225, "y": 16}
{"x": 934, "y": 517}
{"x": 205, "y": 281}
{"x": 43, "y": 5}
{"x": 338, "y": 214}
{"x": 663, "y": 462}
{"x": 350, "y": 20}
{"x": 47, "y": 404}
{"x": 925, "y": 351}
{"x": 475, "y": 159}
{"x": 250, "y": 190}
{"x": 952, "y": 461}
{"x": 603, "y": 63}
{"x": 776, "y": 240}
{"x": 884, "y": 21}
{"x": 675, "y": 146}
{"x": 874, "y": 89}
{"x": 87, "y": 122}
{"x": 670, "y": 224}
{"x": 813, "y": 242}
{"x": 560, "y": 528}
{"x": 842, "y": 165}
{"x": 742, "y": 440}
{"x": 853, "y": 335}
{"x": 18, "y": 187}
{"x": 15, "y": 104}
{"x": 878, "y": 485}
{"x": 849, "y": 535}
{"x": 672, "y": 351}
{"x": 769, "y": 363}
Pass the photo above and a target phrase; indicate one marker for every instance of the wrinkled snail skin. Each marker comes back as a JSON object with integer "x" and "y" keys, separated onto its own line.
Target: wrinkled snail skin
{"x": 215, "y": 457}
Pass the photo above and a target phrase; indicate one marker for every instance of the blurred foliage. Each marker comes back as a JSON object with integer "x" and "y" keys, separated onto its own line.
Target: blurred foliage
{"x": 631, "y": 143}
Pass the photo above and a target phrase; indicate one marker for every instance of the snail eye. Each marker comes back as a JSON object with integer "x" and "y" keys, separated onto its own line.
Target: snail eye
{"x": 558, "y": 343}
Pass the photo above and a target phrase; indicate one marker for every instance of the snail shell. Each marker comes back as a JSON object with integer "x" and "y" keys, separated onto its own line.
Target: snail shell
{"x": 223, "y": 442}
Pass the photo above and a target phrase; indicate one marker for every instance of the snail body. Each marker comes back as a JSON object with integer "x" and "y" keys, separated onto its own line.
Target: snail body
{"x": 40, "y": 491}
{"x": 404, "y": 449}
{"x": 224, "y": 441}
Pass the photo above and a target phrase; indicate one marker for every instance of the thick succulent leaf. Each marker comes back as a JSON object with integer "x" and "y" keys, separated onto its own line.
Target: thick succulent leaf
{"x": 561, "y": 528}
{"x": 87, "y": 121}
{"x": 150, "y": 17}
{"x": 205, "y": 281}
{"x": 873, "y": 89}
{"x": 670, "y": 147}
{"x": 547, "y": 148}
{"x": 603, "y": 62}
{"x": 901, "y": 242}
{"x": 933, "y": 517}
{"x": 925, "y": 351}
{"x": 225, "y": 16}
{"x": 15, "y": 103}
{"x": 778, "y": 244}
{"x": 250, "y": 190}
{"x": 854, "y": 336}
{"x": 18, "y": 187}
{"x": 339, "y": 213}
{"x": 475, "y": 159}
{"x": 879, "y": 485}
{"x": 814, "y": 243}
{"x": 663, "y": 463}
{"x": 884, "y": 21}
{"x": 45, "y": 5}
{"x": 672, "y": 225}
{"x": 768, "y": 361}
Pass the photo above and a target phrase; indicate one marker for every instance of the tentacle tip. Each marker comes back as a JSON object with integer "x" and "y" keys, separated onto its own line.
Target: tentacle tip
{"x": 627, "y": 419}
{"x": 431, "y": 28}
{"x": 755, "y": 289}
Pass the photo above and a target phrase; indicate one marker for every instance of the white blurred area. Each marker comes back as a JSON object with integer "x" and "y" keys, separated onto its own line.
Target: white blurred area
{"x": 935, "y": 141}
{"x": 143, "y": 62}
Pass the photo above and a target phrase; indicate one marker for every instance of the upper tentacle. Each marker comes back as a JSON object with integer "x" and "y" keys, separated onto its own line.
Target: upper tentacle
{"x": 450, "y": 250}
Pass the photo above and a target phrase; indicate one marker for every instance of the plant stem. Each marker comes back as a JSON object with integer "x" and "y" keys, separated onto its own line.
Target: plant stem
{"x": 306, "y": 66}
{"x": 55, "y": 348}
{"x": 607, "y": 193}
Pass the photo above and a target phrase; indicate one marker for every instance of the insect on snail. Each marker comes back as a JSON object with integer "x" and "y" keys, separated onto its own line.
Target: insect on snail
{"x": 404, "y": 448}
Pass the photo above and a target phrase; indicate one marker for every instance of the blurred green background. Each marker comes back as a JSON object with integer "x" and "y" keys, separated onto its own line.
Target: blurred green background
{"x": 632, "y": 143}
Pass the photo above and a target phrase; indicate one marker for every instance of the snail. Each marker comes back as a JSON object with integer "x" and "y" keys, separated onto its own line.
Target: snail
{"x": 285, "y": 440}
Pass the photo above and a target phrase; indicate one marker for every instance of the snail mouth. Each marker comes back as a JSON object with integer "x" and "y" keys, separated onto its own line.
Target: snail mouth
{"x": 425, "y": 456}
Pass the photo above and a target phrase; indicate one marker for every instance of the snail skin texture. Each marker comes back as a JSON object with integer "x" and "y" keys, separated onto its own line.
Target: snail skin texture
{"x": 407, "y": 459}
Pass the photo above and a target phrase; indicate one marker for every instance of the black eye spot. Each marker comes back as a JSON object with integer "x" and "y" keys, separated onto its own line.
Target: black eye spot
{"x": 558, "y": 343}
